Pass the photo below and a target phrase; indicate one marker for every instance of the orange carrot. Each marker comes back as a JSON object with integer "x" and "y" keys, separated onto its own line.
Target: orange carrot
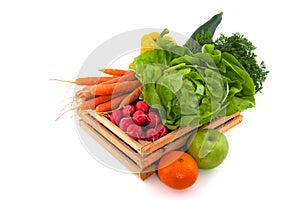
{"x": 87, "y": 91}
{"x": 93, "y": 80}
{"x": 122, "y": 87}
{"x": 108, "y": 89}
{"x": 129, "y": 76}
{"x": 93, "y": 102}
{"x": 116, "y": 72}
{"x": 110, "y": 105}
{"x": 131, "y": 97}
{"x": 84, "y": 93}
{"x": 88, "y": 80}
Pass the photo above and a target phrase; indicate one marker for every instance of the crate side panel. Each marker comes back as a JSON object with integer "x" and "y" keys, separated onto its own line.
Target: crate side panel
{"x": 117, "y": 131}
{"x": 153, "y": 146}
{"x": 112, "y": 138}
{"x": 117, "y": 153}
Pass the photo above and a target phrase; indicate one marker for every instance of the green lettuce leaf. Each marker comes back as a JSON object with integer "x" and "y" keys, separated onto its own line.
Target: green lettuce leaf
{"x": 190, "y": 89}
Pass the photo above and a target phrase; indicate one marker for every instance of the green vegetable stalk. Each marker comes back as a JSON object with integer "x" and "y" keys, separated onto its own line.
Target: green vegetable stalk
{"x": 203, "y": 34}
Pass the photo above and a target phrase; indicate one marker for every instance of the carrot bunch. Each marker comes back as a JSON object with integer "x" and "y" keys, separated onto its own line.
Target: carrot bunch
{"x": 107, "y": 93}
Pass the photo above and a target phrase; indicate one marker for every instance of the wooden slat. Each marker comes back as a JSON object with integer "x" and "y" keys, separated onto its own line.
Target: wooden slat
{"x": 220, "y": 121}
{"x": 117, "y": 131}
{"x": 141, "y": 157}
{"x": 230, "y": 124}
{"x": 145, "y": 173}
{"x": 107, "y": 145}
{"x": 174, "y": 145}
{"x": 124, "y": 159}
{"x": 152, "y": 146}
{"x": 143, "y": 142}
{"x": 156, "y": 154}
{"x": 109, "y": 136}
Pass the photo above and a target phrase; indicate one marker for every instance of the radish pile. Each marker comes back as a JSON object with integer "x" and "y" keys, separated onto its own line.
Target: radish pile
{"x": 139, "y": 121}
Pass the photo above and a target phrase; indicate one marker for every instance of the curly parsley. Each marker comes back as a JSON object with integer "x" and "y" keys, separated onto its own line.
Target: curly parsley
{"x": 243, "y": 50}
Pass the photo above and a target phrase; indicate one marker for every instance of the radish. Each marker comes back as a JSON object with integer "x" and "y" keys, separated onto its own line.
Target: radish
{"x": 134, "y": 131}
{"x": 152, "y": 134}
{"x": 139, "y": 117}
{"x": 116, "y": 116}
{"x": 142, "y": 106}
{"x": 128, "y": 110}
{"x": 153, "y": 119}
{"x": 162, "y": 130}
{"x": 125, "y": 122}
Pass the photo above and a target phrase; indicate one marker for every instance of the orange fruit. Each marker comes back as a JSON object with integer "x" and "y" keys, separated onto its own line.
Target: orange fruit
{"x": 177, "y": 170}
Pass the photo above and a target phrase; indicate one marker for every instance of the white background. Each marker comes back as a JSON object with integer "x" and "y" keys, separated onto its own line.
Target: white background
{"x": 43, "y": 159}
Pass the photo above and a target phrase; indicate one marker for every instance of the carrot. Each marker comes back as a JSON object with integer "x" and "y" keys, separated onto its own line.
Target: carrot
{"x": 88, "y": 80}
{"x": 87, "y": 91}
{"x": 129, "y": 76}
{"x": 93, "y": 102}
{"x": 122, "y": 87}
{"x": 116, "y": 72}
{"x": 131, "y": 97}
{"x": 84, "y": 93}
{"x": 93, "y": 80}
{"x": 110, "y": 105}
{"x": 108, "y": 89}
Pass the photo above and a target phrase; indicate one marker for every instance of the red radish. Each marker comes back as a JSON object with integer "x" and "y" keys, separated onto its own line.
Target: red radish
{"x": 162, "y": 130}
{"x": 139, "y": 117}
{"x": 125, "y": 122}
{"x": 128, "y": 110}
{"x": 142, "y": 106}
{"x": 153, "y": 119}
{"x": 134, "y": 131}
{"x": 152, "y": 134}
{"x": 116, "y": 116}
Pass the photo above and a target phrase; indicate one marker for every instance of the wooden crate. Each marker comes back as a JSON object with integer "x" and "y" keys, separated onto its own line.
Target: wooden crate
{"x": 141, "y": 156}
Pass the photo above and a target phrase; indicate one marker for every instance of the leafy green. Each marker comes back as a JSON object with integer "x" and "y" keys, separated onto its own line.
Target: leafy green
{"x": 204, "y": 37}
{"x": 190, "y": 89}
{"x": 243, "y": 50}
{"x": 203, "y": 34}
{"x": 241, "y": 86}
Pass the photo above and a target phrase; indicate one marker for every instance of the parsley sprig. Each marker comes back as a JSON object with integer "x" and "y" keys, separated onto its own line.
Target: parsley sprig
{"x": 243, "y": 50}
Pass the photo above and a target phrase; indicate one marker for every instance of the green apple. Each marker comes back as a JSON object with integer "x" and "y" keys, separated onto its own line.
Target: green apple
{"x": 209, "y": 148}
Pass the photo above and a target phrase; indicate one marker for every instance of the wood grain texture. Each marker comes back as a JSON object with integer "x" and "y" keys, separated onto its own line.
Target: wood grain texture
{"x": 141, "y": 156}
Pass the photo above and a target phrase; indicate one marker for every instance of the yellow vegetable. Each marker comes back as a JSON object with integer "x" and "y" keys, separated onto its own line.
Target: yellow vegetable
{"x": 148, "y": 41}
